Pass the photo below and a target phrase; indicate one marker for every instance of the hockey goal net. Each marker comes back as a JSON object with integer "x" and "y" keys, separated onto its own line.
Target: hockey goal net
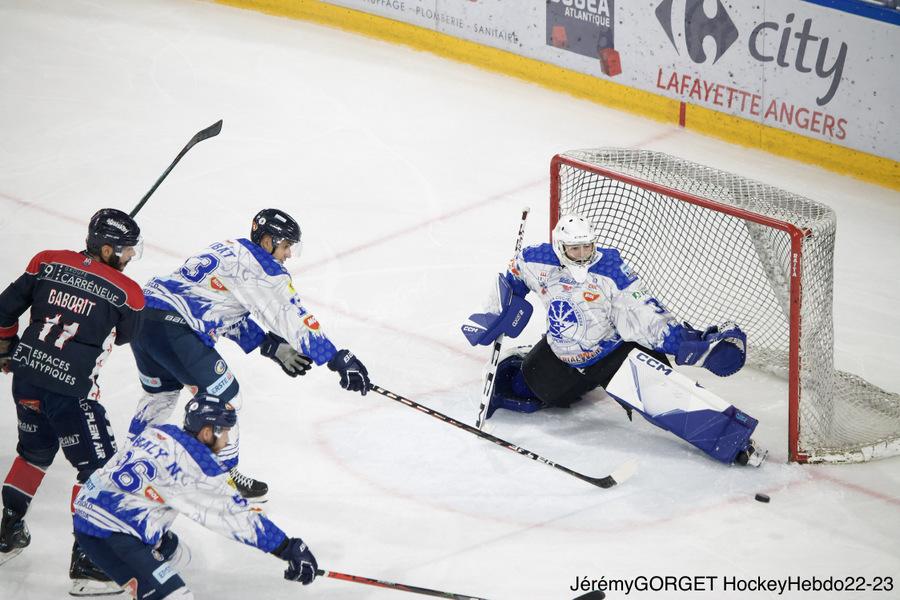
{"x": 713, "y": 246}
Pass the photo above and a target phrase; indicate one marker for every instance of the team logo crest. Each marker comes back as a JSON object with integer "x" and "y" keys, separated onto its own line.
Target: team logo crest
{"x": 311, "y": 322}
{"x": 564, "y": 321}
{"x": 220, "y": 367}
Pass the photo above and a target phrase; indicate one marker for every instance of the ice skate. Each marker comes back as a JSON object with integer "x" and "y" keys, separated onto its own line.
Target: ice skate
{"x": 251, "y": 489}
{"x": 87, "y": 578}
{"x": 14, "y": 535}
{"x": 751, "y": 456}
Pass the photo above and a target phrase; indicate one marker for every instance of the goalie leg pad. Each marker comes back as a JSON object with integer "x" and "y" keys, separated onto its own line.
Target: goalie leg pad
{"x": 510, "y": 389}
{"x": 677, "y": 404}
{"x": 721, "y": 435}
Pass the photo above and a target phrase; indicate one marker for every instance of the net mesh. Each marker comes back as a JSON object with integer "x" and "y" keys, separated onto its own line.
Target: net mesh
{"x": 707, "y": 266}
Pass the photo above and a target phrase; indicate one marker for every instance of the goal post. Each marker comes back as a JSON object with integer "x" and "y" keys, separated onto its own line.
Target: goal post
{"x": 714, "y": 246}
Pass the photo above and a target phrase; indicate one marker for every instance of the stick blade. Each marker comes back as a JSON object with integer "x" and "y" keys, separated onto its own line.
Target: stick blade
{"x": 211, "y": 131}
{"x": 626, "y": 470}
{"x": 621, "y": 474}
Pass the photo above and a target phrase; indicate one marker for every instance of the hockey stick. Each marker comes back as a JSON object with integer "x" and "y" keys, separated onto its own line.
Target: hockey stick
{"x": 394, "y": 586}
{"x": 491, "y": 368}
{"x": 211, "y": 131}
{"x": 623, "y": 472}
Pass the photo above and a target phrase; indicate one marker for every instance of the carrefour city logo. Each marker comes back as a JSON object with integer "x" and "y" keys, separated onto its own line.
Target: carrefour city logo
{"x": 698, "y": 26}
{"x": 795, "y": 42}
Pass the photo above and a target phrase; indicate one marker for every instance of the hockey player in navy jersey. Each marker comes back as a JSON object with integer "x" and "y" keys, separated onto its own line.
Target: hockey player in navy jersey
{"x": 238, "y": 289}
{"x": 600, "y": 317}
{"x": 124, "y": 513}
{"x": 81, "y": 304}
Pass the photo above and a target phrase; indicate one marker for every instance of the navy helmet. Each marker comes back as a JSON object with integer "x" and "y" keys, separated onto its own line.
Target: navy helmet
{"x": 110, "y": 226}
{"x": 204, "y": 409}
{"x": 275, "y": 223}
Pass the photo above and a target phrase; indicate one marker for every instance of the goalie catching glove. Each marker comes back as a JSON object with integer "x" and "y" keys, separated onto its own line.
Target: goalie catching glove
{"x": 509, "y": 316}
{"x": 291, "y": 362}
{"x": 721, "y": 349}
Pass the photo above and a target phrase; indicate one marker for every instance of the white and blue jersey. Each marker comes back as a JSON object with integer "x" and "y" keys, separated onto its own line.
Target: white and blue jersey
{"x": 165, "y": 471}
{"x": 588, "y": 320}
{"x": 237, "y": 289}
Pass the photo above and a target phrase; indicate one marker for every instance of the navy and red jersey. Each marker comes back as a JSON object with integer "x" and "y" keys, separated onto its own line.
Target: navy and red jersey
{"x": 79, "y": 308}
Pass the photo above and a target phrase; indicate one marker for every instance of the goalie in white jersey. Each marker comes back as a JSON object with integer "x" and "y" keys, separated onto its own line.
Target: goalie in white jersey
{"x": 605, "y": 330}
{"x": 124, "y": 512}
{"x": 238, "y": 289}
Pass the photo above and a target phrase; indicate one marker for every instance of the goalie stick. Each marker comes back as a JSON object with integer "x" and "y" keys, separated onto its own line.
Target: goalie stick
{"x": 394, "y": 586}
{"x": 491, "y": 368}
{"x": 620, "y": 474}
{"x": 211, "y": 131}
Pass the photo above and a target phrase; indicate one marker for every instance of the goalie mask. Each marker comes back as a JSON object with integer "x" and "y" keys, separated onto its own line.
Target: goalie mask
{"x": 575, "y": 245}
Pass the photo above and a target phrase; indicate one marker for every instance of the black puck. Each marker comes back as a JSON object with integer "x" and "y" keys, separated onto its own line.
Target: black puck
{"x": 762, "y": 498}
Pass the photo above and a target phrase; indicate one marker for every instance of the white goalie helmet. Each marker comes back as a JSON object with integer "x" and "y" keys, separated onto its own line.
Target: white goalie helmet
{"x": 571, "y": 238}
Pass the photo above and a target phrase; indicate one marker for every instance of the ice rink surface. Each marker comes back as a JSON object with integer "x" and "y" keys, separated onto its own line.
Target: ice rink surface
{"x": 407, "y": 173}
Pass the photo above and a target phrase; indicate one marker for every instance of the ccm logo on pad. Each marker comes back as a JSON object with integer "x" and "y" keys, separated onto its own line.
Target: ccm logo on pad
{"x": 653, "y": 363}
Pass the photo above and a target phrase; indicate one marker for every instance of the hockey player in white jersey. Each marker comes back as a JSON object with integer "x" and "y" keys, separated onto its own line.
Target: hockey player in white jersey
{"x": 238, "y": 289}
{"x": 605, "y": 330}
{"x": 124, "y": 512}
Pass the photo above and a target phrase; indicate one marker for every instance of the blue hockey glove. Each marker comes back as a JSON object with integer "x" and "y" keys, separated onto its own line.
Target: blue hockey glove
{"x": 7, "y": 348}
{"x": 354, "y": 376}
{"x": 291, "y": 362}
{"x": 166, "y": 547}
{"x": 720, "y": 349}
{"x": 302, "y": 565}
{"x": 515, "y": 311}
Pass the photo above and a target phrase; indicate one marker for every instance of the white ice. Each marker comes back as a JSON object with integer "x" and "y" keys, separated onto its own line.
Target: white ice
{"x": 407, "y": 173}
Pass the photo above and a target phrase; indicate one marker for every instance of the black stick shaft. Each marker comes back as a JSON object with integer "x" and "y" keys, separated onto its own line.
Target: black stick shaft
{"x": 211, "y": 131}
{"x": 604, "y": 482}
{"x": 491, "y": 370}
{"x": 394, "y": 586}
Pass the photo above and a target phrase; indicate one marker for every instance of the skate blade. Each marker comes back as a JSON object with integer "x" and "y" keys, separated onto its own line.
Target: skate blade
{"x": 757, "y": 458}
{"x": 7, "y": 556}
{"x": 91, "y": 587}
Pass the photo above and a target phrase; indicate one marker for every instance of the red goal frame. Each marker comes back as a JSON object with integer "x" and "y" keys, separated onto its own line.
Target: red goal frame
{"x": 797, "y": 235}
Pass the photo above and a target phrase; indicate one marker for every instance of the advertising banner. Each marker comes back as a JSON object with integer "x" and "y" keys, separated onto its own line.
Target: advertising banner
{"x": 790, "y": 64}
